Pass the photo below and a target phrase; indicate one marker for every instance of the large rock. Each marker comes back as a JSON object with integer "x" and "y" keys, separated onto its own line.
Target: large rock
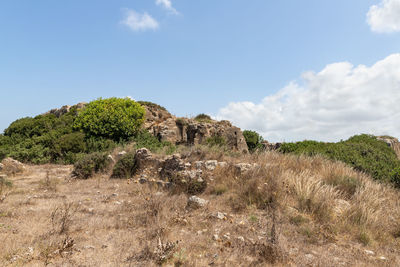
{"x": 167, "y": 127}
{"x": 391, "y": 142}
{"x": 58, "y": 112}
{"x": 12, "y": 166}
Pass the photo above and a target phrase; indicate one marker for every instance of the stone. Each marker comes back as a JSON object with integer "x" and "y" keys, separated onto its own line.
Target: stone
{"x": 12, "y": 166}
{"x": 120, "y": 154}
{"x": 142, "y": 180}
{"x": 110, "y": 158}
{"x": 392, "y": 143}
{"x": 220, "y": 215}
{"x": 171, "y": 165}
{"x": 222, "y": 164}
{"x": 369, "y": 252}
{"x": 243, "y": 167}
{"x": 211, "y": 164}
{"x": 240, "y": 238}
{"x": 199, "y": 164}
{"x": 215, "y": 237}
{"x": 196, "y": 202}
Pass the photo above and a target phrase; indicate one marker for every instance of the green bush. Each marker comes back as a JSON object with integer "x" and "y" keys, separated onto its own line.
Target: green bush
{"x": 363, "y": 152}
{"x": 91, "y": 164}
{"x": 113, "y": 118}
{"x": 253, "y": 140}
{"x": 395, "y": 177}
{"x": 203, "y": 118}
{"x": 216, "y": 141}
{"x": 125, "y": 167}
{"x": 149, "y": 141}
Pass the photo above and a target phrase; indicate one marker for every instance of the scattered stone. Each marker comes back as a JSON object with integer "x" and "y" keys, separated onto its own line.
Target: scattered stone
{"x": 382, "y": 258}
{"x": 243, "y": 167}
{"x": 188, "y": 165}
{"x": 120, "y": 154}
{"x": 89, "y": 247}
{"x": 369, "y": 252}
{"x": 211, "y": 164}
{"x": 117, "y": 202}
{"x": 199, "y": 164}
{"x": 222, "y": 164}
{"x": 240, "y": 238}
{"x": 215, "y": 237}
{"x": 196, "y": 202}
{"x": 110, "y": 157}
{"x": 220, "y": 215}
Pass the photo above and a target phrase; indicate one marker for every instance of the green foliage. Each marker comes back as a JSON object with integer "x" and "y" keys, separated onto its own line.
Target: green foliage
{"x": 113, "y": 118}
{"x": 253, "y": 140}
{"x": 216, "y": 141}
{"x": 203, "y": 118}
{"x": 91, "y": 164}
{"x": 151, "y": 105}
{"x": 125, "y": 167}
{"x": 363, "y": 152}
{"x": 395, "y": 177}
{"x": 149, "y": 141}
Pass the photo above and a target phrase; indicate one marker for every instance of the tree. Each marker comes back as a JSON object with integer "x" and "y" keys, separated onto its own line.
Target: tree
{"x": 115, "y": 118}
{"x": 253, "y": 140}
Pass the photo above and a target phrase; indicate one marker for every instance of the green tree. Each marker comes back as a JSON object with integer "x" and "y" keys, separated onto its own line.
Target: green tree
{"x": 114, "y": 118}
{"x": 253, "y": 140}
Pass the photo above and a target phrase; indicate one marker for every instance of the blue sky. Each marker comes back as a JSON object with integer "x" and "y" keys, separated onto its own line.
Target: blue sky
{"x": 221, "y": 57}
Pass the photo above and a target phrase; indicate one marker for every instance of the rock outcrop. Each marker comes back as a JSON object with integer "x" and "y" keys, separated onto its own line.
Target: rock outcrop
{"x": 167, "y": 127}
{"x": 12, "y": 166}
{"x": 391, "y": 142}
{"x": 58, "y": 112}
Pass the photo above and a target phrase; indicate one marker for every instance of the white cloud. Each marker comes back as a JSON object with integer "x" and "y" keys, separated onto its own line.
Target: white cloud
{"x": 167, "y": 4}
{"x": 139, "y": 22}
{"x": 385, "y": 17}
{"x": 340, "y": 101}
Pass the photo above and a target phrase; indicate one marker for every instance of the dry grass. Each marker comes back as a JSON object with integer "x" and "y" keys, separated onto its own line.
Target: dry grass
{"x": 288, "y": 210}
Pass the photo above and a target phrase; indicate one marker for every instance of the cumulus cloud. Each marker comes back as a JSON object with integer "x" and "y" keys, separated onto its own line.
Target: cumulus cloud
{"x": 385, "y": 17}
{"x": 167, "y": 4}
{"x": 340, "y": 101}
{"x": 139, "y": 22}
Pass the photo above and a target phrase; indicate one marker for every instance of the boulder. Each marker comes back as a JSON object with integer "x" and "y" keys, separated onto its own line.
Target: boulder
{"x": 391, "y": 142}
{"x": 171, "y": 165}
{"x": 196, "y": 202}
{"x": 12, "y": 166}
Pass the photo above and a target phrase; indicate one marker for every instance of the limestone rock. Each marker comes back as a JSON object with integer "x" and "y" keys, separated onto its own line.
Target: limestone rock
{"x": 211, "y": 164}
{"x": 172, "y": 165}
{"x": 391, "y": 142}
{"x": 12, "y": 166}
{"x": 196, "y": 202}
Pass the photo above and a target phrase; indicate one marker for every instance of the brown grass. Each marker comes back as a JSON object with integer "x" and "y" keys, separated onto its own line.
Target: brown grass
{"x": 288, "y": 210}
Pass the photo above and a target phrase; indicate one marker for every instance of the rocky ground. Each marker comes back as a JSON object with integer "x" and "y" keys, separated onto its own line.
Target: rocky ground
{"x": 48, "y": 218}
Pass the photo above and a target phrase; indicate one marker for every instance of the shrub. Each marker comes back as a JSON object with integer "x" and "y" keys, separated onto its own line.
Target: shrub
{"x": 395, "y": 177}
{"x": 203, "y": 118}
{"x": 149, "y": 141}
{"x": 69, "y": 143}
{"x": 216, "y": 141}
{"x": 253, "y": 140}
{"x": 363, "y": 152}
{"x": 114, "y": 118}
{"x": 125, "y": 167}
{"x": 91, "y": 164}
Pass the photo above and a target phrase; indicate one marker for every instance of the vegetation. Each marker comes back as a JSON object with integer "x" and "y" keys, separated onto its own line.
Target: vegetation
{"x": 101, "y": 126}
{"x": 363, "y": 152}
{"x": 253, "y": 140}
{"x": 125, "y": 167}
{"x": 151, "y": 105}
{"x": 216, "y": 140}
{"x": 203, "y": 118}
{"x": 91, "y": 164}
{"x": 113, "y": 118}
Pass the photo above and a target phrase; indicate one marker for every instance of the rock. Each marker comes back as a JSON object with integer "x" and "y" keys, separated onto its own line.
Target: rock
{"x": 382, "y": 258}
{"x": 211, "y": 164}
{"x": 215, "y": 237}
{"x": 199, "y": 164}
{"x": 58, "y": 112}
{"x": 369, "y": 252}
{"x": 392, "y": 143}
{"x": 220, "y": 215}
{"x": 222, "y": 164}
{"x": 120, "y": 154}
{"x": 1, "y": 166}
{"x": 309, "y": 256}
{"x": 142, "y": 180}
{"x": 188, "y": 165}
{"x": 12, "y": 166}
{"x": 172, "y": 165}
{"x": 110, "y": 157}
{"x": 242, "y": 167}
{"x": 240, "y": 238}
{"x": 196, "y": 202}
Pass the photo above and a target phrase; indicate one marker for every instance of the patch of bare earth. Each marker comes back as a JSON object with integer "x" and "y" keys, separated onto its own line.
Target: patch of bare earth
{"x": 286, "y": 211}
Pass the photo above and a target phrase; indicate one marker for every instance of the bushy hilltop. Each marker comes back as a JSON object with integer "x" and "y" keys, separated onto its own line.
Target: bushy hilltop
{"x": 66, "y": 135}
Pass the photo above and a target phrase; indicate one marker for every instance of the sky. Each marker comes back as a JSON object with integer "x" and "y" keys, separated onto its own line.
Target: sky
{"x": 290, "y": 70}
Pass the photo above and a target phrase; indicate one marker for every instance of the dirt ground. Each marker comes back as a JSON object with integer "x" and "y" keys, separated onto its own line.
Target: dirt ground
{"x": 49, "y": 219}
